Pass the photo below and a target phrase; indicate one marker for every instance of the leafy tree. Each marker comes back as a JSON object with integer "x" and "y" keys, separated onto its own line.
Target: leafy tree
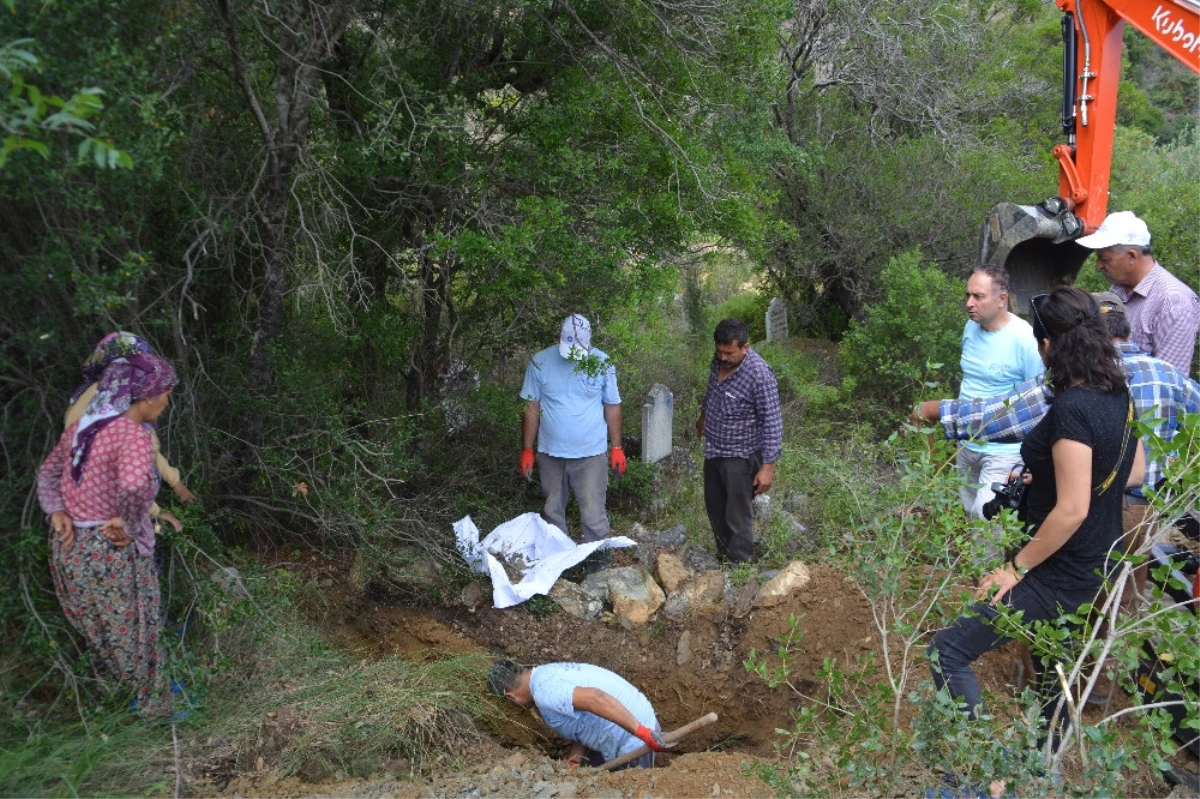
{"x": 338, "y": 207}
{"x": 909, "y": 122}
{"x": 1158, "y": 183}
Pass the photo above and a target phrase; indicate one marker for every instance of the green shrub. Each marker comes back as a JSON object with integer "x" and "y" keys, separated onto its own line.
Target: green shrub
{"x": 749, "y": 307}
{"x": 915, "y": 331}
{"x": 799, "y": 378}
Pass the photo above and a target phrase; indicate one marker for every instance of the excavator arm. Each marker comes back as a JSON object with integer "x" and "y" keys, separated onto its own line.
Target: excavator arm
{"x": 1037, "y": 243}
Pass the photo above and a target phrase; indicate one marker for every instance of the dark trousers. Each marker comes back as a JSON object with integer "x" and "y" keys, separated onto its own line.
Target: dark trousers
{"x": 594, "y": 759}
{"x": 587, "y": 478}
{"x": 962, "y": 643}
{"x": 729, "y": 500}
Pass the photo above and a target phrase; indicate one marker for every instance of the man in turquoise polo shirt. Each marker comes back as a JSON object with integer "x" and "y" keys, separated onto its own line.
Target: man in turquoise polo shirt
{"x": 999, "y": 351}
{"x": 573, "y": 415}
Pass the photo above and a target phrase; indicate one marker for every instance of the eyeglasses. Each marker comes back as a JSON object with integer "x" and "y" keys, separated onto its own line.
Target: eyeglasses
{"x": 1033, "y": 303}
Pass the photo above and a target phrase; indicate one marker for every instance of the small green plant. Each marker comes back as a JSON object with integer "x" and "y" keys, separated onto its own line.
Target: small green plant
{"x": 633, "y": 491}
{"x": 740, "y": 574}
{"x": 540, "y": 606}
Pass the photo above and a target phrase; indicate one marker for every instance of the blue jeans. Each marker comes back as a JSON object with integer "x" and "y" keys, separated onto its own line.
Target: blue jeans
{"x": 972, "y": 634}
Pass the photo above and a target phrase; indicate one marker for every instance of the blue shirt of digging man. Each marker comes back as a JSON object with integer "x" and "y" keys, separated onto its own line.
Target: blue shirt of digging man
{"x": 553, "y": 687}
{"x": 572, "y": 423}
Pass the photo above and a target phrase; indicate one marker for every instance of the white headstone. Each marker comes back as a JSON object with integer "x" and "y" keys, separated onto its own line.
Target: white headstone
{"x": 657, "y": 415}
{"x": 777, "y": 320}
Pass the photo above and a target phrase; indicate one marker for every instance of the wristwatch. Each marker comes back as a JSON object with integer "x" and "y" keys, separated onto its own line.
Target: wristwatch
{"x": 1020, "y": 571}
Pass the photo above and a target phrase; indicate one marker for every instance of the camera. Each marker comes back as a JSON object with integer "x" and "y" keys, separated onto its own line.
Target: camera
{"x": 1009, "y": 495}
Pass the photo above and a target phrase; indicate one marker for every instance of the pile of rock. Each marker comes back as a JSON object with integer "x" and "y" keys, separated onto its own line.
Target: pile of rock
{"x": 674, "y": 577}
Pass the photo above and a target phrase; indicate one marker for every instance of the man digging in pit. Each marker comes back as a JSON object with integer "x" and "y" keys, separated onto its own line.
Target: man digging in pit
{"x": 599, "y": 712}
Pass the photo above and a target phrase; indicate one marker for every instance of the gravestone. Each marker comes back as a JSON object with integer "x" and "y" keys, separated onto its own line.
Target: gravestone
{"x": 657, "y": 414}
{"x": 777, "y": 320}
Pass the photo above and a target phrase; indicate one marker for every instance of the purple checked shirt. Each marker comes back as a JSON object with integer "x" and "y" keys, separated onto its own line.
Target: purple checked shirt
{"x": 1164, "y": 315}
{"x": 741, "y": 413}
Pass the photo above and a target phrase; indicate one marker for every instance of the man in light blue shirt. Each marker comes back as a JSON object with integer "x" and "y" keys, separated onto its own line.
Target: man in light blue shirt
{"x": 599, "y": 712}
{"x": 999, "y": 351}
{"x": 573, "y": 414}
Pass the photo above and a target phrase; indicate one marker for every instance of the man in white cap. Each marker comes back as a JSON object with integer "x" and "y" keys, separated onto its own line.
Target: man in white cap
{"x": 573, "y": 416}
{"x": 1163, "y": 312}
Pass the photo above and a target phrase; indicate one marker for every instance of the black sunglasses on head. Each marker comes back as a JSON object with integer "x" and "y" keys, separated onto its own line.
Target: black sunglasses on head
{"x": 1033, "y": 303}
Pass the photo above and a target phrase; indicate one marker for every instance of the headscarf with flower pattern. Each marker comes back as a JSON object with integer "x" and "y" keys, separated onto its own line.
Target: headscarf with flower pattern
{"x": 125, "y": 380}
{"x": 113, "y": 346}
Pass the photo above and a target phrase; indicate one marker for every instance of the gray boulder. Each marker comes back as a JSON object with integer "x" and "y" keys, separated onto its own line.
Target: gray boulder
{"x": 704, "y": 590}
{"x": 630, "y": 590}
{"x": 576, "y": 600}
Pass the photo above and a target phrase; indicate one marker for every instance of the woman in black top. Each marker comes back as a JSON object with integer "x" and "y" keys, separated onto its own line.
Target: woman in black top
{"x": 1080, "y": 457}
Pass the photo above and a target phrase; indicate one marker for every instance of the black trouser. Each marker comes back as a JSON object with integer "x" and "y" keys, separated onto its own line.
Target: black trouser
{"x": 971, "y": 635}
{"x": 729, "y": 500}
{"x": 594, "y": 759}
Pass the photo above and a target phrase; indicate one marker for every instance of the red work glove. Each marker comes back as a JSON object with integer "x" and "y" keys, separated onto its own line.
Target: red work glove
{"x": 526, "y": 467}
{"x": 652, "y": 739}
{"x": 616, "y": 460}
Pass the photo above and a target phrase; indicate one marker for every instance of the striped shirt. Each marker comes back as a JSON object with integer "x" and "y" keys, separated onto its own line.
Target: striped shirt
{"x": 1160, "y": 393}
{"x": 1164, "y": 317}
{"x": 742, "y": 415}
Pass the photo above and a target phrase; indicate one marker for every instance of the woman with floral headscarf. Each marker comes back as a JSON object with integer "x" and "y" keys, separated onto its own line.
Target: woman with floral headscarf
{"x": 97, "y": 487}
{"x": 111, "y": 347}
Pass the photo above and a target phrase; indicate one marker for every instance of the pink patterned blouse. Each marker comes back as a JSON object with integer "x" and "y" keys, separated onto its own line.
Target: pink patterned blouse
{"x": 119, "y": 479}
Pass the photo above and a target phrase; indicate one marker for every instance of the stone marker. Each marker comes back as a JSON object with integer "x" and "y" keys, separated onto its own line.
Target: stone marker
{"x": 777, "y": 320}
{"x": 657, "y": 414}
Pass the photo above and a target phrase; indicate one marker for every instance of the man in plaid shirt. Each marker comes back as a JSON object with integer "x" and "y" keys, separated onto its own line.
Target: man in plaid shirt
{"x": 742, "y": 425}
{"x": 1159, "y": 391}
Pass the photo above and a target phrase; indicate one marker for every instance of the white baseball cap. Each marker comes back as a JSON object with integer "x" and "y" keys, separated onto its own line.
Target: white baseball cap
{"x": 1121, "y": 228}
{"x": 575, "y": 340}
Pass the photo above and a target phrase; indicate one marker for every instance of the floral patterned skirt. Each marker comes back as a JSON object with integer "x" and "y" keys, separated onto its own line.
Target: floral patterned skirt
{"x": 111, "y": 596}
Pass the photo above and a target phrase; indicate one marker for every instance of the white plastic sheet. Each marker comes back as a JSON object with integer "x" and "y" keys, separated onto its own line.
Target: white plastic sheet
{"x": 546, "y": 550}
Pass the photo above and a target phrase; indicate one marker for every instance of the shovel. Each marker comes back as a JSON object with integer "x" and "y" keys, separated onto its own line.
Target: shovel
{"x": 669, "y": 737}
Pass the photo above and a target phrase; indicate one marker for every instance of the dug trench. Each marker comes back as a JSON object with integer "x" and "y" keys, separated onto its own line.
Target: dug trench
{"x": 520, "y": 756}
{"x": 710, "y": 678}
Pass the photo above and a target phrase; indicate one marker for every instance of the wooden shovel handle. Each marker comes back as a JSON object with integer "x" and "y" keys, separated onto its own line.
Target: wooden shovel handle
{"x": 669, "y": 737}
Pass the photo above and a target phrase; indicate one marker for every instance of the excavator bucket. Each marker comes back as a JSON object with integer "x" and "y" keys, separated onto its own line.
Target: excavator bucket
{"x": 1036, "y": 244}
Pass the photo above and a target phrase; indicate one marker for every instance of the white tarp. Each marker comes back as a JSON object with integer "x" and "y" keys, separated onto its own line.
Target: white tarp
{"x": 546, "y": 551}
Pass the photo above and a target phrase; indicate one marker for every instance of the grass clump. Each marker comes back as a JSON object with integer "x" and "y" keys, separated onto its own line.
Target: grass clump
{"x": 265, "y": 686}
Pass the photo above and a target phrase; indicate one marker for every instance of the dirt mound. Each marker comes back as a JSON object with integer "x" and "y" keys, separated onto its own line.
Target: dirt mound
{"x": 496, "y": 772}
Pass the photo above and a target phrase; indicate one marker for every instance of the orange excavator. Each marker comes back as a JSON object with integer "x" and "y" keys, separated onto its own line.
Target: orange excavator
{"x": 1037, "y": 243}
